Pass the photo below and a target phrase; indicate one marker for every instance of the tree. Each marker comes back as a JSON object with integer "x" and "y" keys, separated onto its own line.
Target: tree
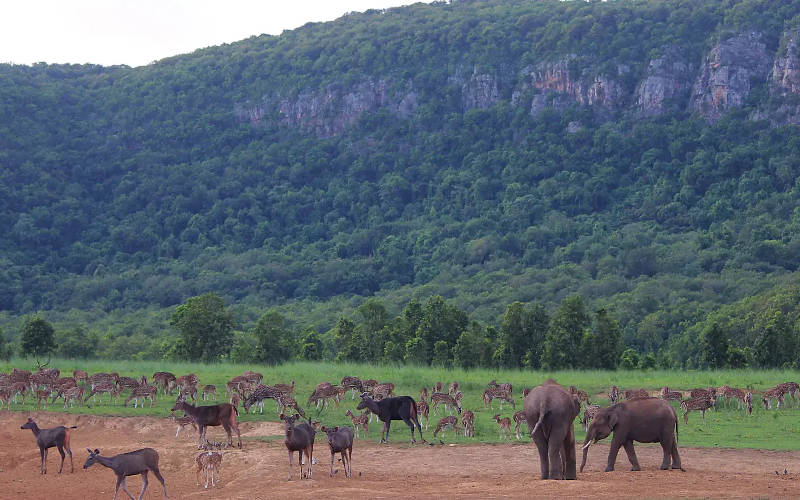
{"x": 601, "y": 346}
{"x": 37, "y": 338}
{"x": 522, "y": 333}
{"x": 5, "y": 351}
{"x": 442, "y": 354}
{"x": 714, "y": 347}
{"x": 273, "y": 340}
{"x": 348, "y": 341}
{"x": 563, "y": 340}
{"x": 77, "y": 344}
{"x": 417, "y": 351}
{"x": 205, "y": 327}
{"x": 311, "y": 345}
{"x": 629, "y": 359}
{"x": 473, "y": 348}
{"x": 374, "y": 318}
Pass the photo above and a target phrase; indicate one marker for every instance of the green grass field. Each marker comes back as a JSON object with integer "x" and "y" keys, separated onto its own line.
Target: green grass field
{"x": 725, "y": 427}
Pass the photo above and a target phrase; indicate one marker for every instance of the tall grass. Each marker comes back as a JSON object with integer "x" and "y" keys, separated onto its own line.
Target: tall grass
{"x": 726, "y": 427}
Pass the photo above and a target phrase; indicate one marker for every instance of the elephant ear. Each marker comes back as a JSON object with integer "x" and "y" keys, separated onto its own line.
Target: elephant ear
{"x": 612, "y": 420}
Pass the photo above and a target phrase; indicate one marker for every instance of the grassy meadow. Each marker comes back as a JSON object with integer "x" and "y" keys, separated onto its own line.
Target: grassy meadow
{"x": 725, "y": 427}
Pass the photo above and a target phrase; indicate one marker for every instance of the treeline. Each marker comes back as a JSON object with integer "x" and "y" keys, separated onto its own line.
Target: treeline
{"x": 437, "y": 333}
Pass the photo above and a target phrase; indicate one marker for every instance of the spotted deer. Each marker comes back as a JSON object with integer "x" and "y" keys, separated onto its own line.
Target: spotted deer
{"x": 359, "y": 421}
{"x": 183, "y": 422}
{"x": 505, "y": 426}
{"x": 287, "y": 389}
{"x": 437, "y": 387}
{"x": 613, "y": 395}
{"x": 769, "y": 395}
{"x": 748, "y": 401}
{"x": 101, "y": 388}
{"x": 208, "y": 391}
{"x": 519, "y": 418}
{"x": 259, "y": 394}
{"x": 165, "y": 380}
{"x": 72, "y": 395}
{"x": 209, "y": 463}
{"x": 142, "y": 393}
{"x": 444, "y": 423}
{"x": 254, "y": 378}
{"x": 791, "y": 388}
{"x": 468, "y": 423}
{"x": 452, "y": 389}
{"x": 79, "y": 376}
{"x": 732, "y": 392}
{"x": 496, "y": 393}
{"x": 235, "y": 400}
{"x": 588, "y": 414}
{"x": 447, "y": 400}
{"x": 353, "y": 384}
{"x": 383, "y": 390}
{"x": 423, "y": 394}
{"x": 708, "y": 392}
{"x": 669, "y": 395}
{"x": 505, "y": 386}
{"x": 42, "y": 395}
{"x": 583, "y": 397}
{"x": 636, "y": 394}
{"x": 423, "y": 410}
{"x": 701, "y": 404}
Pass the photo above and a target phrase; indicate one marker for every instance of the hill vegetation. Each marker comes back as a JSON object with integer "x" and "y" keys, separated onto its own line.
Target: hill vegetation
{"x": 480, "y": 153}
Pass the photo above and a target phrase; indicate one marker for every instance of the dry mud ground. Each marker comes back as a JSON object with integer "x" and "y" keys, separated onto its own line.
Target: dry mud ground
{"x": 388, "y": 471}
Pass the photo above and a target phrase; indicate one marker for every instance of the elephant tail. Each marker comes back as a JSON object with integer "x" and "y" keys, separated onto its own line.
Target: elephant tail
{"x": 542, "y": 411}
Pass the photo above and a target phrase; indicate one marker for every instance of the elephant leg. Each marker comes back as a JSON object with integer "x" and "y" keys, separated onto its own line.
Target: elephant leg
{"x": 667, "y": 449}
{"x": 555, "y": 446}
{"x": 570, "y": 462}
{"x": 612, "y": 453}
{"x": 631, "y": 455}
{"x": 544, "y": 460}
{"x": 676, "y": 459}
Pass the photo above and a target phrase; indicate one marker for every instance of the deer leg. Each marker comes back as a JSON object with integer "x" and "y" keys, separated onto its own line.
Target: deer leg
{"x": 385, "y": 432}
{"x": 61, "y": 452}
{"x": 290, "y": 466}
{"x": 144, "y": 484}
{"x": 160, "y": 478}
{"x": 333, "y": 457}
{"x": 43, "y": 464}
{"x": 125, "y": 488}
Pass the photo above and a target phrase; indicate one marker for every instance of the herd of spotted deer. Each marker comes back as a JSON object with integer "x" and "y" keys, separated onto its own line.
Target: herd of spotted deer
{"x": 376, "y": 399}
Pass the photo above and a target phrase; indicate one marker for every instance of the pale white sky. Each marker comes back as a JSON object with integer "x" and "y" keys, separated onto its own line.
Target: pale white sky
{"x": 137, "y": 32}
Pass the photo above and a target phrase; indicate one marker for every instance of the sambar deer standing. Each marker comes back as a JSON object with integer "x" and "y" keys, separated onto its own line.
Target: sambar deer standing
{"x": 223, "y": 414}
{"x": 129, "y": 464}
{"x": 57, "y": 437}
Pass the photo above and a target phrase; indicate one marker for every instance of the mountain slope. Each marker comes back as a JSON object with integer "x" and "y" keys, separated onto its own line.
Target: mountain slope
{"x": 635, "y": 152}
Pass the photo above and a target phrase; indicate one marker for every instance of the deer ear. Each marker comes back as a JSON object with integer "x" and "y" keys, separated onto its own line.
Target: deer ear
{"x": 96, "y": 451}
{"x": 297, "y": 416}
{"x": 336, "y": 429}
{"x": 323, "y": 428}
{"x": 90, "y": 451}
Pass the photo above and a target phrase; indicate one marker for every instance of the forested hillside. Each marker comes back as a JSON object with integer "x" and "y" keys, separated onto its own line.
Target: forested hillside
{"x": 639, "y": 154}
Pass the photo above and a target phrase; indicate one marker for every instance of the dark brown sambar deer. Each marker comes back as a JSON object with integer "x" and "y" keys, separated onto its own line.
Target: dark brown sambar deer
{"x": 129, "y": 464}
{"x": 48, "y": 438}
{"x": 223, "y": 414}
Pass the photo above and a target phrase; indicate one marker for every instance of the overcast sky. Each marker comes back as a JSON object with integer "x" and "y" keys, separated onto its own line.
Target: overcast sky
{"x": 137, "y": 32}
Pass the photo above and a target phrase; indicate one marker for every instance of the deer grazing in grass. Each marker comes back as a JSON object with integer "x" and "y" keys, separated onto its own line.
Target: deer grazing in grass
{"x": 447, "y": 400}
{"x": 444, "y": 423}
{"x": 208, "y": 391}
{"x": 129, "y": 464}
{"x": 354, "y": 384}
{"x": 142, "y": 392}
{"x": 493, "y": 393}
{"x": 769, "y": 395}
{"x": 359, "y": 421}
{"x": 299, "y": 438}
{"x": 340, "y": 440}
{"x": 668, "y": 395}
{"x": 223, "y": 414}
{"x": 636, "y": 394}
{"x": 57, "y": 437}
{"x": 702, "y": 404}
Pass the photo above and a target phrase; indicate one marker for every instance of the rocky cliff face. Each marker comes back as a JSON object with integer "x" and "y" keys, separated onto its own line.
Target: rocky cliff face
{"x": 722, "y": 81}
{"x": 332, "y": 110}
{"x": 727, "y": 74}
{"x": 556, "y": 87}
{"x": 666, "y": 82}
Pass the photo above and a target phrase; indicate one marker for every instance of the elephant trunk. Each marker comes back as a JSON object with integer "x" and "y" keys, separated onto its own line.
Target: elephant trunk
{"x": 586, "y": 446}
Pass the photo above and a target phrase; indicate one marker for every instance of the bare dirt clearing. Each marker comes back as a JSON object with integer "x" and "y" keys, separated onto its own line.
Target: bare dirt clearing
{"x": 260, "y": 469}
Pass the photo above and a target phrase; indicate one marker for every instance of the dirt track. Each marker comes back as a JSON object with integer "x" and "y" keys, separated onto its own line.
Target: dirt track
{"x": 259, "y": 471}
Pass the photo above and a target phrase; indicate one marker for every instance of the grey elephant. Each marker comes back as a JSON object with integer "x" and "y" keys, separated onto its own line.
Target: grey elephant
{"x": 550, "y": 410}
{"x": 647, "y": 420}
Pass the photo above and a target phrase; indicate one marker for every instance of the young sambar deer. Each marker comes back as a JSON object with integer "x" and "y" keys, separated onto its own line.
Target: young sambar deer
{"x": 48, "y": 438}
{"x": 129, "y": 464}
{"x": 299, "y": 438}
{"x": 340, "y": 440}
{"x": 223, "y": 414}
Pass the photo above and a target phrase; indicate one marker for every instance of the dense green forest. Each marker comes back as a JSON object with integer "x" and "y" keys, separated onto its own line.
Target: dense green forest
{"x": 479, "y": 153}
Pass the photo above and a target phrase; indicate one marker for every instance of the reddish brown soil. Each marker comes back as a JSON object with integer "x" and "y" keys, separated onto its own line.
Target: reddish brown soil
{"x": 388, "y": 471}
